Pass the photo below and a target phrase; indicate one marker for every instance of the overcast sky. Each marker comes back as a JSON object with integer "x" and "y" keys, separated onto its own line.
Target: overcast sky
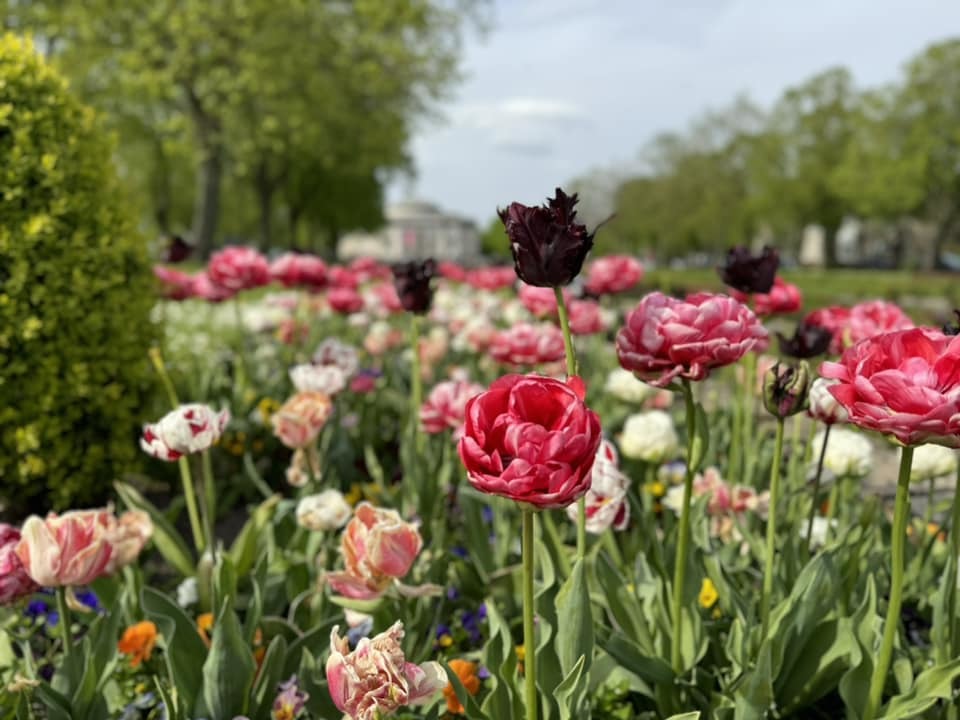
{"x": 559, "y": 87}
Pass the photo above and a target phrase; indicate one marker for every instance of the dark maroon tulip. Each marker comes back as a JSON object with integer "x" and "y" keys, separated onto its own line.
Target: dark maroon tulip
{"x": 177, "y": 250}
{"x": 547, "y": 243}
{"x": 412, "y": 281}
{"x": 952, "y": 328}
{"x": 750, "y": 273}
{"x": 808, "y": 341}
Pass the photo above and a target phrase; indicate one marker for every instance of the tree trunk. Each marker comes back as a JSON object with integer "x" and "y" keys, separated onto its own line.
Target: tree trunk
{"x": 265, "y": 199}
{"x": 944, "y": 231}
{"x": 161, "y": 188}
{"x": 206, "y": 208}
{"x": 830, "y": 246}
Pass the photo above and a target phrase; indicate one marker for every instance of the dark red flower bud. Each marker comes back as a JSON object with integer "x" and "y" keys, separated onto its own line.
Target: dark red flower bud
{"x": 412, "y": 281}
{"x": 952, "y": 328}
{"x": 748, "y": 273}
{"x": 547, "y": 243}
{"x": 808, "y": 341}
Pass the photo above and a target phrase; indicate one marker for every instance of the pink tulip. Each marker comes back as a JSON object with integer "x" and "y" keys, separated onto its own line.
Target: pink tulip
{"x": 238, "y": 268}
{"x": 366, "y": 269}
{"x": 128, "y": 536}
{"x": 541, "y": 301}
{"x": 525, "y": 344}
{"x": 375, "y": 680}
{"x": 175, "y": 285}
{"x": 586, "y": 317}
{"x": 383, "y": 300}
{"x": 69, "y": 549}
{"x": 445, "y": 407}
{"x": 492, "y": 278}
{"x": 15, "y": 582}
{"x": 340, "y": 277}
{"x": 613, "y": 274}
{"x": 189, "y": 429}
{"x": 452, "y": 271}
{"x": 378, "y": 547}
{"x": 301, "y": 418}
{"x": 204, "y": 288}
{"x": 344, "y": 300}
{"x": 784, "y": 298}
{"x": 665, "y": 338}
{"x": 875, "y": 317}
{"x": 299, "y": 270}
{"x": 905, "y": 384}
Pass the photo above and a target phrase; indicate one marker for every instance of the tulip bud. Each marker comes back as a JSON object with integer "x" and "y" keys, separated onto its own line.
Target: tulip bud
{"x": 412, "y": 281}
{"x": 547, "y": 243}
{"x": 952, "y": 328}
{"x": 808, "y": 341}
{"x": 785, "y": 389}
{"x": 748, "y": 273}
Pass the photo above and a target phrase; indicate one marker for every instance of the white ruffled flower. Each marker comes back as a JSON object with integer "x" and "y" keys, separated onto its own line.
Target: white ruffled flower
{"x": 818, "y": 532}
{"x": 624, "y": 385}
{"x": 931, "y": 462}
{"x": 324, "y": 511}
{"x": 327, "y": 379}
{"x": 606, "y": 500}
{"x": 822, "y": 405}
{"x": 649, "y": 436}
{"x": 849, "y": 454}
{"x": 189, "y": 429}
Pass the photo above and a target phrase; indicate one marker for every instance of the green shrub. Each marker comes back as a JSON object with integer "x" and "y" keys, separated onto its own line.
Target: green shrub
{"x": 75, "y": 297}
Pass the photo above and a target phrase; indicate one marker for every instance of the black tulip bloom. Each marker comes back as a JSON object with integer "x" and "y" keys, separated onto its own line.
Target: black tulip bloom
{"x": 953, "y": 328}
{"x": 750, "y": 273}
{"x": 547, "y": 243}
{"x": 412, "y": 281}
{"x": 808, "y": 341}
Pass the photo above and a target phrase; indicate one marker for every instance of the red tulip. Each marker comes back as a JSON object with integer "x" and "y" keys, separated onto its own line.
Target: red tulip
{"x": 341, "y": 277}
{"x": 525, "y": 344}
{"x": 345, "y": 300}
{"x": 613, "y": 274}
{"x": 665, "y": 338}
{"x": 204, "y": 288}
{"x": 299, "y": 270}
{"x": 531, "y": 439}
{"x": 905, "y": 384}
{"x": 238, "y": 268}
{"x": 783, "y": 299}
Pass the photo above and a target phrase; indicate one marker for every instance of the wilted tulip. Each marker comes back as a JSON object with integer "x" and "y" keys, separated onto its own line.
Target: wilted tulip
{"x": 547, "y": 243}
{"x": 189, "y": 429}
{"x": 375, "y": 680}
{"x": 750, "y": 273}
{"x": 412, "y": 281}
{"x": 69, "y": 549}
{"x": 785, "y": 389}
{"x": 378, "y": 547}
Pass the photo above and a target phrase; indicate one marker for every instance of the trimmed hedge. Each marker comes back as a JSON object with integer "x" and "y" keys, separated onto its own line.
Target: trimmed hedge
{"x": 75, "y": 296}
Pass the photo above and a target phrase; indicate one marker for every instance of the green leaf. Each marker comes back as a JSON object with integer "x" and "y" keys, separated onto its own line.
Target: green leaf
{"x": 931, "y": 685}
{"x": 855, "y": 683}
{"x": 167, "y": 540}
{"x": 270, "y": 674}
{"x": 315, "y": 641}
{"x": 648, "y": 668}
{"x": 500, "y": 657}
{"x": 575, "y": 621}
{"x": 755, "y": 696}
{"x": 229, "y": 669}
{"x": 685, "y": 716}
{"x": 184, "y": 651}
{"x": 571, "y": 693}
{"x": 243, "y": 551}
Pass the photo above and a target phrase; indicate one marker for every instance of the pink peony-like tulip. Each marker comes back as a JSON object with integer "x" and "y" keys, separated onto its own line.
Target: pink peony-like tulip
{"x": 492, "y": 278}
{"x": 299, "y": 270}
{"x": 345, "y": 300}
{"x": 174, "y": 285}
{"x": 586, "y": 317}
{"x": 452, "y": 271}
{"x": 189, "y": 429}
{"x": 301, "y": 418}
{"x": 378, "y": 548}
{"x": 784, "y": 298}
{"x": 905, "y": 384}
{"x": 238, "y": 268}
{"x": 375, "y": 680}
{"x": 445, "y": 407}
{"x": 341, "y": 277}
{"x": 541, "y": 301}
{"x": 128, "y": 536}
{"x": 665, "y": 338}
{"x": 875, "y": 317}
{"x": 15, "y": 582}
{"x": 531, "y": 439}
{"x": 204, "y": 288}
{"x": 366, "y": 269}
{"x": 606, "y": 500}
{"x": 69, "y": 549}
{"x": 613, "y": 274}
{"x": 525, "y": 344}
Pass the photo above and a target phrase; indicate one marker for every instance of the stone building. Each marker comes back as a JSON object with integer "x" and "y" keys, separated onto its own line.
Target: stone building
{"x": 415, "y": 230}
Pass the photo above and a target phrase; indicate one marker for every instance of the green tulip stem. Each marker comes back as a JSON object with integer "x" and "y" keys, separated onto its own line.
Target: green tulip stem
{"x": 210, "y": 498}
{"x": 416, "y": 382}
{"x": 816, "y": 485}
{"x": 189, "y": 493}
{"x": 683, "y": 539}
{"x": 900, "y": 514}
{"x": 771, "y": 531}
{"x": 572, "y": 369}
{"x": 749, "y": 411}
{"x": 529, "y": 644}
{"x": 952, "y": 649}
{"x": 64, "y": 610}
